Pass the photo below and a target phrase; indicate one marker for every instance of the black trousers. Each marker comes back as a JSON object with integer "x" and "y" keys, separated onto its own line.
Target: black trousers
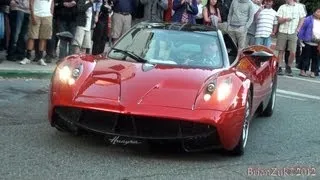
{"x": 309, "y": 53}
{"x": 100, "y": 35}
{"x": 19, "y": 22}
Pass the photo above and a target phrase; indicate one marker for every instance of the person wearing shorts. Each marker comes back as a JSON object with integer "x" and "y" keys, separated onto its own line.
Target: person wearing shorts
{"x": 82, "y": 37}
{"x": 290, "y": 17}
{"x": 40, "y": 27}
{"x": 122, "y": 17}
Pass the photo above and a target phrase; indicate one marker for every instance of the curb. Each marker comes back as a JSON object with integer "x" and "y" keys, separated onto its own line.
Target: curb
{"x": 25, "y": 74}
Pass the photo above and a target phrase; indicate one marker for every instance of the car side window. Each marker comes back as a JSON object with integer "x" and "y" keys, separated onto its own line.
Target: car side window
{"x": 231, "y": 48}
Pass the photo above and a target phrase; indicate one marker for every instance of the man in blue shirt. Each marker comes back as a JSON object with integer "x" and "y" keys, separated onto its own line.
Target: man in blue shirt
{"x": 122, "y": 17}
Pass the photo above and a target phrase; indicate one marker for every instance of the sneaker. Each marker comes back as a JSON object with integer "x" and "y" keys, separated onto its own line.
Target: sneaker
{"x": 312, "y": 75}
{"x": 280, "y": 72}
{"x": 42, "y": 63}
{"x": 25, "y": 61}
{"x": 48, "y": 58}
{"x": 288, "y": 71}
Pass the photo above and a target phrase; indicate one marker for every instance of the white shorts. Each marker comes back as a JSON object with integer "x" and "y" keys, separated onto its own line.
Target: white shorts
{"x": 82, "y": 38}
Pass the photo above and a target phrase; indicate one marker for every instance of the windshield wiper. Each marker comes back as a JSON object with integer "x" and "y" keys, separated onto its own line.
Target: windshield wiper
{"x": 131, "y": 54}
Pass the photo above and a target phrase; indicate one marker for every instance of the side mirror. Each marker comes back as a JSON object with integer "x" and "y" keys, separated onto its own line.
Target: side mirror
{"x": 261, "y": 56}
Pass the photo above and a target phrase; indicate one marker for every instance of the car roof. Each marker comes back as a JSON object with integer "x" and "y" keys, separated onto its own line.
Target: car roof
{"x": 178, "y": 27}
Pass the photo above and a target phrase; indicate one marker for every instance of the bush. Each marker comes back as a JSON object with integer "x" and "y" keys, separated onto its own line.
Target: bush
{"x": 311, "y": 5}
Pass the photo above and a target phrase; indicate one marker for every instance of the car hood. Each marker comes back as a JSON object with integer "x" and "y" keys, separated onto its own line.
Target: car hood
{"x": 135, "y": 84}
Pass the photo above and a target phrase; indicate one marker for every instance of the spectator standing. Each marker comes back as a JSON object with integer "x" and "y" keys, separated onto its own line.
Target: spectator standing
{"x": 299, "y": 45}
{"x": 169, "y": 12}
{"x": 154, "y": 10}
{"x": 310, "y": 35}
{"x": 51, "y": 49}
{"x": 4, "y": 11}
{"x": 211, "y": 9}
{"x": 267, "y": 24}
{"x": 96, "y": 11}
{"x": 65, "y": 15}
{"x": 224, "y": 6}
{"x": 82, "y": 37}
{"x": 185, "y": 11}
{"x": 290, "y": 17}
{"x": 40, "y": 27}
{"x": 101, "y": 31}
{"x": 122, "y": 17}
{"x": 199, "y": 17}
{"x": 19, "y": 20}
{"x": 240, "y": 18}
{"x": 256, "y": 4}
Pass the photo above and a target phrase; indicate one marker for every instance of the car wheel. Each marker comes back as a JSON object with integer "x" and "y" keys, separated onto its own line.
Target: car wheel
{"x": 239, "y": 149}
{"x": 270, "y": 107}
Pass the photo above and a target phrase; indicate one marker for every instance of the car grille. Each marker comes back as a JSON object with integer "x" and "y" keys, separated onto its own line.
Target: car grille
{"x": 133, "y": 125}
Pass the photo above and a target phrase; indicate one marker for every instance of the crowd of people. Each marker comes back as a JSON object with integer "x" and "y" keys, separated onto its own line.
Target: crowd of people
{"x": 34, "y": 25}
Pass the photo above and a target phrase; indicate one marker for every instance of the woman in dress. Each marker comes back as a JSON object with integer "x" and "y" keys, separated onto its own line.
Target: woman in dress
{"x": 211, "y": 9}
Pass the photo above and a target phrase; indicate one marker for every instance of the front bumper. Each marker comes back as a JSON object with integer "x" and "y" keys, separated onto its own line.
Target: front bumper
{"x": 194, "y": 133}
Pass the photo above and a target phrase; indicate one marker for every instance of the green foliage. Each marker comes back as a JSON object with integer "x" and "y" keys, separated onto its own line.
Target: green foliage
{"x": 311, "y": 5}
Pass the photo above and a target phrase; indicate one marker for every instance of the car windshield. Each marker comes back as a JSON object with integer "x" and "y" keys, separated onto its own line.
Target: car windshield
{"x": 180, "y": 48}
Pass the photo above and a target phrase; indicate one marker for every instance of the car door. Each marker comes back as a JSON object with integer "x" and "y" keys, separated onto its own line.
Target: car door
{"x": 263, "y": 76}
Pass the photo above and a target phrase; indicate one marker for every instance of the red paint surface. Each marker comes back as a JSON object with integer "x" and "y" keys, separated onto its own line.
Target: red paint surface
{"x": 166, "y": 91}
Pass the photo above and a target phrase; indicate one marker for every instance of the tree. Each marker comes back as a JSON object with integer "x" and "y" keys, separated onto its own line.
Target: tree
{"x": 311, "y": 5}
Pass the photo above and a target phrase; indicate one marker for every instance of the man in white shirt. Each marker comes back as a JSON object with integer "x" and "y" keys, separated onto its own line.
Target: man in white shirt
{"x": 290, "y": 17}
{"x": 82, "y": 37}
{"x": 40, "y": 27}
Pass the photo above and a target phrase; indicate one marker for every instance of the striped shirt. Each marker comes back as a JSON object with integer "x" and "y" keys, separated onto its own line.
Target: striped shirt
{"x": 265, "y": 22}
{"x": 296, "y": 12}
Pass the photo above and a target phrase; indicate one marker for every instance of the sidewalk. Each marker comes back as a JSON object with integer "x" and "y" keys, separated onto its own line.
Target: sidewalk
{"x": 10, "y": 69}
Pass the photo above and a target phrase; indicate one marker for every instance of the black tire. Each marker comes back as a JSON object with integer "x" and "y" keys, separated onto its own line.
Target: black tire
{"x": 270, "y": 107}
{"x": 239, "y": 149}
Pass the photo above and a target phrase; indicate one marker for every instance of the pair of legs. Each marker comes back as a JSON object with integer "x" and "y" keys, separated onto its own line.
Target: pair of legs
{"x": 250, "y": 39}
{"x": 82, "y": 40}
{"x": 265, "y": 41}
{"x": 63, "y": 25}
{"x": 100, "y": 36}
{"x": 282, "y": 41}
{"x": 18, "y": 21}
{"x": 239, "y": 36}
{"x": 42, "y": 30}
{"x": 120, "y": 25}
{"x": 309, "y": 52}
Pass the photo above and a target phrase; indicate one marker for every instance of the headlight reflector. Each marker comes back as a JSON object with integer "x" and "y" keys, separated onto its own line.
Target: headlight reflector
{"x": 76, "y": 73}
{"x": 211, "y": 88}
{"x": 67, "y": 75}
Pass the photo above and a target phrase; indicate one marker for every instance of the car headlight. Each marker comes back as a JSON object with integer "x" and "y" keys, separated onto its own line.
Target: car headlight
{"x": 64, "y": 73}
{"x": 224, "y": 89}
{"x": 209, "y": 90}
{"x": 68, "y": 75}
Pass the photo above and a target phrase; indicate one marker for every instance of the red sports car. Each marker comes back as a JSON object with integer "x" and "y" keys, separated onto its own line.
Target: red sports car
{"x": 163, "y": 82}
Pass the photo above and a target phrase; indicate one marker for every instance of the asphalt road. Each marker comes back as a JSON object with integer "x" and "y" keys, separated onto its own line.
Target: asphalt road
{"x": 31, "y": 149}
